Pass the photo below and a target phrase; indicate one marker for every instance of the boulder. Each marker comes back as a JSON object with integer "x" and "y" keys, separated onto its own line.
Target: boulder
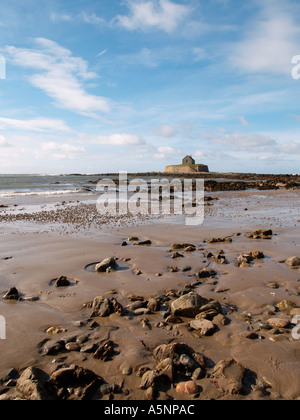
{"x": 105, "y": 351}
{"x": 188, "y": 305}
{"x": 73, "y": 378}
{"x": 12, "y": 294}
{"x": 154, "y": 305}
{"x": 205, "y": 273}
{"x": 293, "y": 261}
{"x": 33, "y": 384}
{"x": 189, "y": 388}
{"x": 133, "y": 239}
{"x": 260, "y": 234}
{"x": 107, "y": 263}
{"x": 218, "y": 240}
{"x": 53, "y": 347}
{"x": 102, "y": 307}
{"x": 188, "y": 362}
{"x": 210, "y": 311}
{"x": 175, "y": 351}
{"x": 149, "y": 379}
{"x": 286, "y": 306}
{"x": 146, "y": 242}
{"x": 278, "y": 323}
{"x": 177, "y": 255}
{"x": 246, "y": 258}
{"x": 62, "y": 281}
{"x": 204, "y": 326}
{"x": 176, "y": 247}
{"x": 232, "y": 373}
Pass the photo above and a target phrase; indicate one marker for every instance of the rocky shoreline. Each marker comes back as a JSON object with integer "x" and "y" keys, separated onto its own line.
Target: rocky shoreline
{"x": 214, "y": 182}
{"x": 173, "y": 332}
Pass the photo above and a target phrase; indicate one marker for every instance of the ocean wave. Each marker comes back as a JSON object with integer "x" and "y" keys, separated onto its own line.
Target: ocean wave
{"x": 14, "y": 194}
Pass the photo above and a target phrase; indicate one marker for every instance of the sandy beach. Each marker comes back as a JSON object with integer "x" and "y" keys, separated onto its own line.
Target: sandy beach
{"x": 141, "y": 342}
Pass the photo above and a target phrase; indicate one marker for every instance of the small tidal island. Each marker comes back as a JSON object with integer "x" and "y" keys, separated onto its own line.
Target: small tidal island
{"x": 188, "y": 166}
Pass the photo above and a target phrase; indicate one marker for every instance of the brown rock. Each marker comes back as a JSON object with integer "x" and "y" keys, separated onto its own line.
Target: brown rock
{"x": 150, "y": 394}
{"x": 177, "y": 255}
{"x": 286, "y": 306}
{"x": 205, "y": 273}
{"x": 189, "y": 388}
{"x": 105, "y": 351}
{"x": 153, "y": 305}
{"x": 181, "y": 246}
{"x": 204, "y": 326}
{"x": 149, "y": 379}
{"x": 72, "y": 347}
{"x": 293, "y": 261}
{"x": 278, "y": 323}
{"x": 107, "y": 263}
{"x": 233, "y": 373}
{"x": 101, "y": 307}
{"x": 174, "y": 352}
{"x": 173, "y": 319}
{"x": 188, "y": 305}
{"x": 74, "y": 377}
{"x": 33, "y": 385}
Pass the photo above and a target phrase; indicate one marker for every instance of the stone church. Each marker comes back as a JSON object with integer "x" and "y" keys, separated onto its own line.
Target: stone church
{"x": 188, "y": 165}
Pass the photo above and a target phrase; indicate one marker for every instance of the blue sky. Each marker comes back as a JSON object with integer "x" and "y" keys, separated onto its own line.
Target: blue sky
{"x": 106, "y": 85}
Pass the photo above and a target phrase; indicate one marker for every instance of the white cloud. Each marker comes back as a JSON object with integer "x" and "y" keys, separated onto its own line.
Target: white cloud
{"x": 271, "y": 41}
{"x": 168, "y": 150}
{"x": 199, "y": 154}
{"x": 38, "y": 124}
{"x": 4, "y": 142}
{"x": 164, "y": 15}
{"x": 166, "y": 131}
{"x": 291, "y": 147}
{"x": 113, "y": 140}
{"x": 244, "y": 141}
{"x": 60, "y": 151}
{"x": 243, "y": 121}
{"x": 89, "y": 18}
{"x": 164, "y": 152}
{"x": 60, "y": 75}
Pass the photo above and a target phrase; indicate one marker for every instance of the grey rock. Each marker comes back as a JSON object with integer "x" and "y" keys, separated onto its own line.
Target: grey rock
{"x": 199, "y": 373}
{"x": 101, "y": 307}
{"x": 89, "y": 348}
{"x": 188, "y": 305}
{"x": 204, "y": 326}
{"x": 72, "y": 347}
{"x": 205, "y": 273}
{"x": 278, "y": 323}
{"x": 105, "y": 264}
{"x": 33, "y": 385}
{"x": 188, "y": 362}
{"x": 52, "y": 348}
{"x": 293, "y": 261}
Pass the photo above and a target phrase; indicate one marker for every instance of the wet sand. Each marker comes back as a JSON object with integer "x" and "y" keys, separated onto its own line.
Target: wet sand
{"x": 68, "y": 238}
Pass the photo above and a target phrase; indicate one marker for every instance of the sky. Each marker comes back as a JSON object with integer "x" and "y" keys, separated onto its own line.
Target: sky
{"x": 98, "y": 86}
